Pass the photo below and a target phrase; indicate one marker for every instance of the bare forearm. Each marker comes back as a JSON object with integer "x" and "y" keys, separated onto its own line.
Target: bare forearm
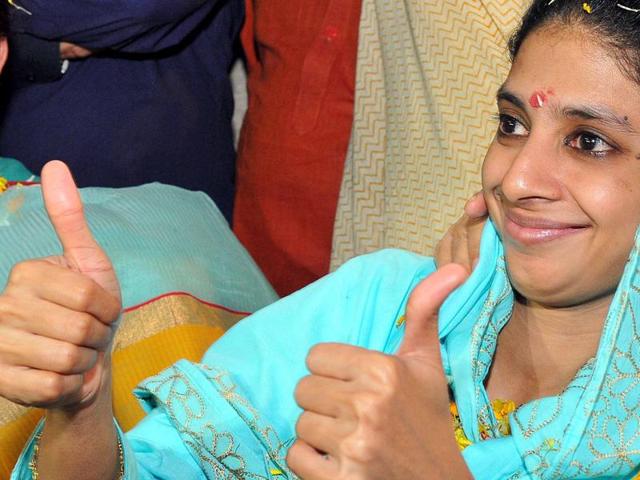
{"x": 80, "y": 445}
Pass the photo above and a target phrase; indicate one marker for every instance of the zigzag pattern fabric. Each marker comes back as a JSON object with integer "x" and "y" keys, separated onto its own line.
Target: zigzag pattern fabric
{"x": 428, "y": 72}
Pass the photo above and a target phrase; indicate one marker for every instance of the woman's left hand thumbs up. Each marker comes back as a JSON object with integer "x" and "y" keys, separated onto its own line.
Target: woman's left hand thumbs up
{"x": 373, "y": 416}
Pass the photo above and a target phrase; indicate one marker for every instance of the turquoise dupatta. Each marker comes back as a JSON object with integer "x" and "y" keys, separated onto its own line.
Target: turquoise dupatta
{"x": 591, "y": 430}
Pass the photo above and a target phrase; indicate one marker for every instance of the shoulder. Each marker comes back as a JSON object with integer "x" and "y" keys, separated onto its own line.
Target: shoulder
{"x": 385, "y": 277}
{"x": 390, "y": 261}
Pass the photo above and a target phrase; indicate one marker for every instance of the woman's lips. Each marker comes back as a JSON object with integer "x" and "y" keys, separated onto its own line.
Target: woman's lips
{"x": 530, "y": 231}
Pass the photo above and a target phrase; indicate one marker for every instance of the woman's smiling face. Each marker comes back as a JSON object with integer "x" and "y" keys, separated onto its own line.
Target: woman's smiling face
{"x": 562, "y": 177}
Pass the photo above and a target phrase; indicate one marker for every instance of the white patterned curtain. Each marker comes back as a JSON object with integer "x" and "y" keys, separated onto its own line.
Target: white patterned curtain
{"x": 428, "y": 72}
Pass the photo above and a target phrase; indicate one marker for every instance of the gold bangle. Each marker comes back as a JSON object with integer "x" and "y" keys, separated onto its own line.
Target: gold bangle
{"x": 33, "y": 464}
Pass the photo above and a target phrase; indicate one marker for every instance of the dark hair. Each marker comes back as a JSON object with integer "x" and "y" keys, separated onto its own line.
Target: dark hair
{"x": 4, "y": 18}
{"x": 613, "y": 23}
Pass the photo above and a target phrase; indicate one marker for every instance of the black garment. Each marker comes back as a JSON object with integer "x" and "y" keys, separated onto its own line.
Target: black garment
{"x": 153, "y": 103}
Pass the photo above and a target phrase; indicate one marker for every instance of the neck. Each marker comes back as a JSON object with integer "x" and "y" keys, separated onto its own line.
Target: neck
{"x": 541, "y": 348}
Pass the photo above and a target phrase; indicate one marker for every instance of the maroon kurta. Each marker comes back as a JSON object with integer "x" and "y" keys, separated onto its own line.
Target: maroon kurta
{"x": 301, "y": 57}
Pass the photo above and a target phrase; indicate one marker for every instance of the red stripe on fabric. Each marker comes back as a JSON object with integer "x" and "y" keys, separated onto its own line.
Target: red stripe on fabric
{"x": 186, "y": 294}
{"x": 12, "y": 183}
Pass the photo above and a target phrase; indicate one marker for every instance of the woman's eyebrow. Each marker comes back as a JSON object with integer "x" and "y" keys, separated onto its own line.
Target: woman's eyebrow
{"x": 599, "y": 113}
{"x": 506, "y": 95}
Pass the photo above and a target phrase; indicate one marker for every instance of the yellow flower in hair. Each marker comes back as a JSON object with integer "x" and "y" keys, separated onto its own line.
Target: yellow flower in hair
{"x": 4, "y": 184}
{"x": 586, "y": 7}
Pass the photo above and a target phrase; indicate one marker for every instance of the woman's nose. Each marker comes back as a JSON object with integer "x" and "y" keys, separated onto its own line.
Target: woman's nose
{"x": 533, "y": 173}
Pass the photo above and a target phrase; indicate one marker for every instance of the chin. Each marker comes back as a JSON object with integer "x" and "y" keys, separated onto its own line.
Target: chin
{"x": 555, "y": 288}
{"x": 541, "y": 282}
{"x": 547, "y": 298}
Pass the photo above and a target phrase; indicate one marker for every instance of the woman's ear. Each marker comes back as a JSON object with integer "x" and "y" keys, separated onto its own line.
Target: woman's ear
{"x": 4, "y": 51}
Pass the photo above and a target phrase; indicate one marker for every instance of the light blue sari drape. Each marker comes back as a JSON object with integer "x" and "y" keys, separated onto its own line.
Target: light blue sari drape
{"x": 160, "y": 239}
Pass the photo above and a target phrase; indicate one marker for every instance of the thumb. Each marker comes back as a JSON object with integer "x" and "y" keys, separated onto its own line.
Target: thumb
{"x": 65, "y": 210}
{"x": 421, "y": 334}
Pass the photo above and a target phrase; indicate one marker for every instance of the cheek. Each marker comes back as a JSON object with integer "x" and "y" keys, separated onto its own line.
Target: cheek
{"x": 614, "y": 208}
{"x": 614, "y": 204}
{"x": 626, "y": 186}
{"x": 493, "y": 168}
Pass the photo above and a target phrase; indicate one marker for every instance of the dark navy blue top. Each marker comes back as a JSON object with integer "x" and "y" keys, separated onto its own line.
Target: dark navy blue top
{"x": 155, "y": 104}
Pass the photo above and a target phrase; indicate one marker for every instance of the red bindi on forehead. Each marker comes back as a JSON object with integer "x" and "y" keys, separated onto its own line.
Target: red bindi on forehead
{"x": 539, "y": 98}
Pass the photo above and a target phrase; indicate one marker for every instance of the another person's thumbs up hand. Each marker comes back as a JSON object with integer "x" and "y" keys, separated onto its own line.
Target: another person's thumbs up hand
{"x": 80, "y": 251}
{"x": 373, "y": 416}
{"x": 58, "y": 314}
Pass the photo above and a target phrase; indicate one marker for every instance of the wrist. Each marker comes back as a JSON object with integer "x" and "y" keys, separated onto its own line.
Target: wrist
{"x": 74, "y": 443}
{"x": 81, "y": 438}
{"x": 33, "y": 60}
{"x": 33, "y": 464}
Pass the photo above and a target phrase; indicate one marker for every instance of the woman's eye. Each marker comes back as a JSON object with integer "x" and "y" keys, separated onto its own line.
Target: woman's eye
{"x": 511, "y": 126}
{"x": 590, "y": 143}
